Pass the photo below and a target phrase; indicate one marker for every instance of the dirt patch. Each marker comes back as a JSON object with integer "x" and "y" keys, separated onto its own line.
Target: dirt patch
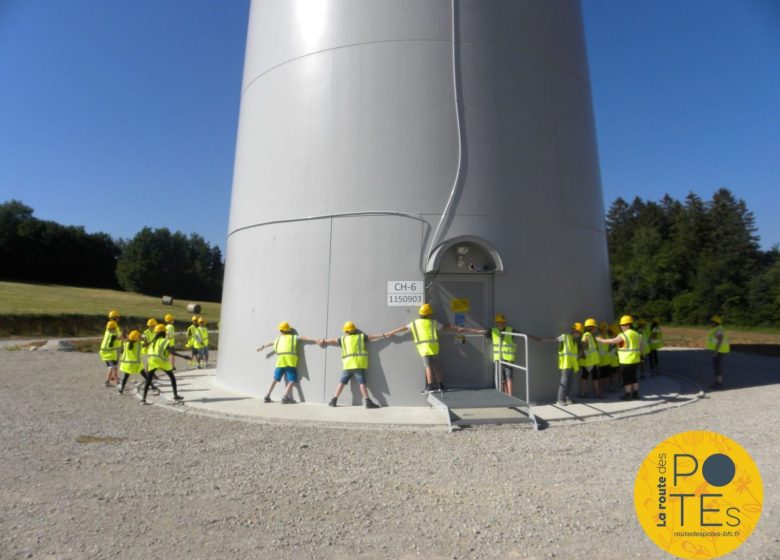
{"x": 34, "y": 345}
{"x": 97, "y": 439}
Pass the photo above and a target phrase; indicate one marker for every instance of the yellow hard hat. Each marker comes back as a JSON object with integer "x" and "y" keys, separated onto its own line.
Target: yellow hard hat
{"x": 159, "y": 328}
{"x": 111, "y": 325}
{"x": 195, "y": 318}
{"x": 716, "y": 319}
{"x": 577, "y": 327}
{"x": 500, "y": 318}
{"x": 201, "y": 321}
{"x": 135, "y": 336}
{"x": 591, "y": 322}
{"x": 113, "y": 314}
{"x": 626, "y": 320}
{"x": 614, "y": 329}
{"x": 168, "y": 318}
{"x": 151, "y": 323}
{"x": 349, "y": 326}
{"x": 284, "y": 326}
{"x": 603, "y": 326}
{"x": 425, "y": 310}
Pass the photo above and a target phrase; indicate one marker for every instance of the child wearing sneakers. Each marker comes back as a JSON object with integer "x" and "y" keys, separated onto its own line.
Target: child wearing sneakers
{"x": 191, "y": 341}
{"x": 425, "y": 332}
{"x": 628, "y": 343}
{"x": 286, "y": 350}
{"x": 569, "y": 354}
{"x": 159, "y": 353}
{"x": 354, "y": 359}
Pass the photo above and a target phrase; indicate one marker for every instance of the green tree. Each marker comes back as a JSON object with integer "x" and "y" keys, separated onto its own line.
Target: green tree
{"x": 763, "y": 292}
{"x": 685, "y": 261}
{"x": 45, "y": 251}
{"x": 159, "y": 262}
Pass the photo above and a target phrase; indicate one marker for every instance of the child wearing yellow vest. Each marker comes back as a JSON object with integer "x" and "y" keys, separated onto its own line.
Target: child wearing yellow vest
{"x": 286, "y": 350}
{"x": 191, "y": 340}
{"x": 569, "y": 354}
{"x": 110, "y": 347}
{"x": 159, "y": 355}
{"x": 425, "y": 333}
{"x": 629, "y": 343}
{"x": 656, "y": 341}
{"x": 590, "y": 361}
{"x": 718, "y": 344}
{"x": 201, "y": 343}
{"x": 354, "y": 359}
{"x": 130, "y": 363}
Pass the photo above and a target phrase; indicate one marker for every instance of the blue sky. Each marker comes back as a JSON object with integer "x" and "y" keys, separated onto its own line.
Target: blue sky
{"x": 117, "y": 115}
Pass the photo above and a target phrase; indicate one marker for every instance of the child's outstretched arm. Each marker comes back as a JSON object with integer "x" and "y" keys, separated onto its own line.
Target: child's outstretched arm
{"x": 393, "y": 332}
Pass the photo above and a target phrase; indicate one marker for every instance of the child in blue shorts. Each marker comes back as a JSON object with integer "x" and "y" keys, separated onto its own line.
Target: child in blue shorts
{"x": 286, "y": 350}
{"x": 354, "y": 358}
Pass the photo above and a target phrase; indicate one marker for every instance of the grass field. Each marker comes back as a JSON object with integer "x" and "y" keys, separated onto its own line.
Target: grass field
{"x": 695, "y": 337}
{"x": 44, "y": 299}
{"x": 42, "y": 309}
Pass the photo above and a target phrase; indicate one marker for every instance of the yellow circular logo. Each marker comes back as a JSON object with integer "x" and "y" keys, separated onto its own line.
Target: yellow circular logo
{"x": 698, "y": 495}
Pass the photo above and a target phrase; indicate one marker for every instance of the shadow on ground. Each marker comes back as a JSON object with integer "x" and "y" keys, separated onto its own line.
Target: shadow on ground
{"x": 740, "y": 368}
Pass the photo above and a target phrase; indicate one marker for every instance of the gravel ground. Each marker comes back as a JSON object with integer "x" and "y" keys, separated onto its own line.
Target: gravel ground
{"x": 87, "y": 473}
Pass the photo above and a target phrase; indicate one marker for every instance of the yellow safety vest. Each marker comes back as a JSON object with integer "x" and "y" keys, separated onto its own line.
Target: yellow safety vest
{"x": 656, "y": 338}
{"x": 614, "y": 361}
{"x": 425, "y": 336}
{"x": 131, "y": 358}
{"x": 110, "y": 347}
{"x": 591, "y": 350}
{"x": 148, "y": 337}
{"x": 568, "y": 354}
{"x": 630, "y": 352}
{"x": 644, "y": 346}
{"x": 504, "y": 347}
{"x": 170, "y": 331}
{"x": 353, "y": 351}
{"x": 286, "y": 348}
{"x": 712, "y": 340}
{"x": 158, "y": 355}
{"x": 191, "y": 335}
{"x": 603, "y": 353}
{"x": 201, "y": 337}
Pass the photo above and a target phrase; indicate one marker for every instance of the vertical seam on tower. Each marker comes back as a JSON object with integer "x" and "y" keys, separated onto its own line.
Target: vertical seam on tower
{"x": 327, "y": 310}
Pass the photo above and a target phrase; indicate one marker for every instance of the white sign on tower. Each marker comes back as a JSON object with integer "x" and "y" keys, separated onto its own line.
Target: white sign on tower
{"x": 404, "y": 293}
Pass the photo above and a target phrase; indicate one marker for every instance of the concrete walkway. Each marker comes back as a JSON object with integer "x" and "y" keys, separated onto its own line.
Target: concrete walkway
{"x": 204, "y": 395}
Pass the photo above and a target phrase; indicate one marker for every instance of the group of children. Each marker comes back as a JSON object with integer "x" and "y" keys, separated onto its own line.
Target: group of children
{"x": 627, "y": 350}
{"x": 354, "y": 353}
{"x": 605, "y": 355}
{"x": 157, "y": 345}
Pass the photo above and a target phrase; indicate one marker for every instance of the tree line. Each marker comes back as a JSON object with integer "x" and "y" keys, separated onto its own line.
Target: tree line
{"x": 681, "y": 261}
{"x": 154, "y": 262}
{"x": 684, "y": 261}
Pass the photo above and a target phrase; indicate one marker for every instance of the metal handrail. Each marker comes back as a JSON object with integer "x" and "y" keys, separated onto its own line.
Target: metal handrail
{"x": 525, "y": 369}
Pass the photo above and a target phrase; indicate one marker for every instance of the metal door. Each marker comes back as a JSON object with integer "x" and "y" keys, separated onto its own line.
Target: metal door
{"x": 466, "y": 300}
